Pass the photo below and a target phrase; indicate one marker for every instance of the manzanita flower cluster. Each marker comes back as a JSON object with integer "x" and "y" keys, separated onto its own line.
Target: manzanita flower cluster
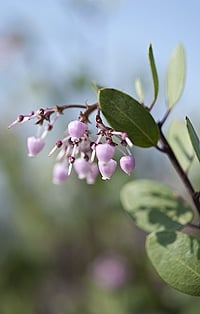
{"x": 77, "y": 149}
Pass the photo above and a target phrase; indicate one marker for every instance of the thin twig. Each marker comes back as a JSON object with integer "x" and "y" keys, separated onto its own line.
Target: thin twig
{"x": 164, "y": 117}
{"x": 170, "y": 153}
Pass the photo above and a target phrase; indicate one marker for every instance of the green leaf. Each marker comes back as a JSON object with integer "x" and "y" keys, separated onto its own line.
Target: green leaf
{"x": 175, "y": 76}
{"x": 176, "y": 258}
{"x": 126, "y": 114}
{"x": 180, "y": 142}
{"x": 154, "y": 206}
{"x": 153, "y": 72}
{"x": 139, "y": 90}
{"x": 193, "y": 137}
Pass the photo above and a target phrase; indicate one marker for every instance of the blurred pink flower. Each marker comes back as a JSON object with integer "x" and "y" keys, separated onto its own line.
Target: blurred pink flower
{"x": 110, "y": 271}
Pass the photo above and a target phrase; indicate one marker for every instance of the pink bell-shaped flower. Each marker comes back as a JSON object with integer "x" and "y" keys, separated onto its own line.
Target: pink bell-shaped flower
{"x": 34, "y": 145}
{"x": 82, "y": 167}
{"x": 127, "y": 163}
{"x": 76, "y": 128}
{"x": 60, "y": 173}
{"x": 107, "y": 168}
{"x": 105, "y": 152}
{"x": 92, "y": 174}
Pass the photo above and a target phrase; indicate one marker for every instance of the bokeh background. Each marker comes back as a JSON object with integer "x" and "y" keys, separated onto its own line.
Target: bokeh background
{"x": 71, "y": 249}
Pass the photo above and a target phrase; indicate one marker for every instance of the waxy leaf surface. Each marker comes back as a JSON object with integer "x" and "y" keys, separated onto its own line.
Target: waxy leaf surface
{"x": 176, "y": 258}
{"x": 179, "y": 140}
{"x": 154, "y": 206}
{"x": 153, "y": 72}
{"x": 126, "y": 114}
{"x": 193, "y": 137}
{"x": 175, "y": 79}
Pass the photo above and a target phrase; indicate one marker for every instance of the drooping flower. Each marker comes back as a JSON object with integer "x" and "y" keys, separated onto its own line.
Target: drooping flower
{"x": 78, "y": 149}
{"x": 82, "y": 167}
{"x": 60, "y": 173}
{"x": 34, "y": 145}
{"x": 76, "y": 129}
{"x": 105, "y": 152}
{"x": 92, "y": 174}
{"x": 107, "y": 168}
{"x": 127, "y": 163}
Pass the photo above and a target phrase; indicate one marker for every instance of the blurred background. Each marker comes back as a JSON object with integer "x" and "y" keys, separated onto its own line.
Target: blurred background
{"x": 71, "y": 249}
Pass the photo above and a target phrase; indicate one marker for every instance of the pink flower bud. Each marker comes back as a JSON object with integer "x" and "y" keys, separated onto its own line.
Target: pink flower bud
{"x": 92, "y": 174}
{"x": 35, "y": 145}
{"x": 105, "y": 152}
{"x": 76, "y": 128}
{"x": 107, "y": 168}
{"x": 82, "y": 167}
{"x": 127, "y": 164}
{"x": 60, "y": 173}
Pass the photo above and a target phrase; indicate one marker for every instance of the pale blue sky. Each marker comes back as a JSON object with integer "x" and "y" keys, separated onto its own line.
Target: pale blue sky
{"x": 111, "y": 36}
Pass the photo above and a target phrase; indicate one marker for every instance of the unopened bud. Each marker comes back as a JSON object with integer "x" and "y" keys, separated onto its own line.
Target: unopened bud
{"x": 60, "y": 173}
{"x": 82, "y": 167}
{"x": 76, "y": 128}
{"x": 92, "y": 174}
{"x": 105, "y": 152}
{"x": 127, "y": 164}
{"x": 107, "y": 168}
{"x": 34, "y": 145}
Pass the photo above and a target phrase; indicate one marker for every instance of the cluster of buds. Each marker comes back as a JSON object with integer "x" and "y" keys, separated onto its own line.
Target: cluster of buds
{"x": 77, "y": 150}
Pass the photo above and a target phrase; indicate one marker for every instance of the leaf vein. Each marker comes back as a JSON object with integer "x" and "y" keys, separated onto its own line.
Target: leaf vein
{"x": 136, "y": 125}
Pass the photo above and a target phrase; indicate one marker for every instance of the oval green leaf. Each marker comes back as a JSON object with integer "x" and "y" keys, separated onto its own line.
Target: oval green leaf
{"x": 154, "y": 206}
{"x": 175, "y": 79}
{"x": 179, "y": 140}
{"x": 153, "y": 72}
{"x": 176, "y": 258}
{"x": 193, "y": 137}
{"x": 126, "y": 114}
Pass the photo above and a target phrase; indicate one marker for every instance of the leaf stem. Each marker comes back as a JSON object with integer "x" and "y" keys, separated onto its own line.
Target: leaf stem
{"x": 193, "y": 226}
{"x": 170, "y": 153}
{"x": 152, "y": 104}
{"x": 165, "y": 117}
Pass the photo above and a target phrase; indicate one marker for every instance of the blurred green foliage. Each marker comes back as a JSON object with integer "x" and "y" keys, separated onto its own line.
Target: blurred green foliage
{"x": 52, "y": 235}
